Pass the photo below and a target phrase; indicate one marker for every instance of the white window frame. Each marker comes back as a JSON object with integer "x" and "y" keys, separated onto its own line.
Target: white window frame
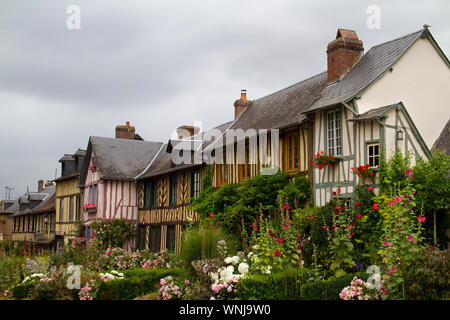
{"x": 334, "y": 133}
{"x": 374, "y": 155}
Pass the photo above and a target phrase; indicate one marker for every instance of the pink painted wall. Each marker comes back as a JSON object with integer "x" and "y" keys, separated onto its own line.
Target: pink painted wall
{"x": 115, "y": 199}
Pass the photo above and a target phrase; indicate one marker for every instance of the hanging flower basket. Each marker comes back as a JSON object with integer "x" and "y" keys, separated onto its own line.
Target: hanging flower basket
{"x": 322, "y": 160}
{"x": 364, "y": 172}
{"x": 93, "y": 168}
{"x": 89, "y": 208}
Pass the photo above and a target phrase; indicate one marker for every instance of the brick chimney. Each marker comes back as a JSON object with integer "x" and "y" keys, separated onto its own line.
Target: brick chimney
{"x": 125, "y": 131}
{"x": 241, "y": 104}
{"x": 343, "y": 53}
{"x": 40, "y": 185}
{"x": 187, "y": 131}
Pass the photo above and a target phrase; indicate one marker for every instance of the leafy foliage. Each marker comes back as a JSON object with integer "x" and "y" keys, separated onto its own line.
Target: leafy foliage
{"x": 113, "y": 233}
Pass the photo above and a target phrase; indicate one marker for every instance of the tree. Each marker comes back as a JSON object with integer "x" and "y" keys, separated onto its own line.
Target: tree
{"x": 431, "y": 179}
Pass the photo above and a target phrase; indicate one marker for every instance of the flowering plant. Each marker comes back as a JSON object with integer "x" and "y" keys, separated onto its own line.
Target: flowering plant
{"x": 170, "y": 290}
{"x": 402, "y": 238}
{"x": 364, "y": 171}
{"x": 89, "y": 208}
{"x": 321, "y": 160}
{"x": 359, "y": 290}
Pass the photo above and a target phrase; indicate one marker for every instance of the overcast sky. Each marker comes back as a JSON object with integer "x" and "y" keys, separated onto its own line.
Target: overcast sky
{"x": 161, "y": 64}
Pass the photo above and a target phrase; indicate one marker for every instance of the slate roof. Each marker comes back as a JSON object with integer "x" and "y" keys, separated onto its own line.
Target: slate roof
{"x": 48, "y": 205}
{"x": 373, "y": 114}
{"x": 45, "y": 196}
{"x": 371, "y": 65}
{"x": 121, "y": 159}
{"x": 443, "y": 141}
{"x": 284, "y": 107}
{"x": 13, "y": 208}
{"x": 162, "y": 163}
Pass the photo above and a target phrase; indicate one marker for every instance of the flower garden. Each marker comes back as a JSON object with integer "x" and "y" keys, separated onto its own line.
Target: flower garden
{"x": 263, "y": 240}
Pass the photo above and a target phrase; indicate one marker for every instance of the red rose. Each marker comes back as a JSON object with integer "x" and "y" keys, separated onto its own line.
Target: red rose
{"x": 277, "y": 253}
{"x": 375, "y": 206}
{"x": 359, "y": 216}
{"x": 357, "y": 203}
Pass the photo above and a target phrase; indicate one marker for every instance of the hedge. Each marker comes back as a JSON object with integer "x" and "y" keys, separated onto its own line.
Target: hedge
{"x": 283, "y": 285}
{"x": 328, "y": 289}
{"x": 292, "y": 285}
{"x": 136, "y": 283}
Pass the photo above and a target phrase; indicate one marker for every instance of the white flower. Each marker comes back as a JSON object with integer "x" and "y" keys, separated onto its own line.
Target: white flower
{"x": 120, "y": 274}
{"x": 214, "y": 276}
{"x": 243, "y": 268}
{"x": 228, "y": 260}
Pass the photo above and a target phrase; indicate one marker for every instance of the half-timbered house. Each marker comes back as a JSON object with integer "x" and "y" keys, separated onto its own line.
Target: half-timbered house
{"x": 361, "y": 104}
{"x": 107, "y": 177}
{"x": 372, "y": 102}
{"x": 34, "y": 217}
{"x": 166, "y": 189}
{"x": 68, "y": 198}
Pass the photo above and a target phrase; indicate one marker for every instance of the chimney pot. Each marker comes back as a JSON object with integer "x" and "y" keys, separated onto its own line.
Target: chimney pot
{"x": 343, "y": 53}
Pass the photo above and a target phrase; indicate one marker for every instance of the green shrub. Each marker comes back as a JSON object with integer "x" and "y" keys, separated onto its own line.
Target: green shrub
{"x": 328, "y": 289}
{"x": 284, "y": 285}
{"x": 200, "y": 243}
{"x": 23, "y": 291}
{"x": 428, "y": 277}
{"x": 296, "y": 194}
{"x": 233, "y": 203}
{"x": 136, "y": 283}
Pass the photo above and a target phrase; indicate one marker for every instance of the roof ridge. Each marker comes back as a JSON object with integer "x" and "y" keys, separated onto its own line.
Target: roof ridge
{"x": 405, "y": 36}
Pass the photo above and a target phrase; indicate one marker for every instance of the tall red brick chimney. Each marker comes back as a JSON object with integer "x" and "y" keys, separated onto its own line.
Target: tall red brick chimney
{"x": 125, "y": 131}
{"x": 241, "y": 104}
{"x": 343, "y": 53}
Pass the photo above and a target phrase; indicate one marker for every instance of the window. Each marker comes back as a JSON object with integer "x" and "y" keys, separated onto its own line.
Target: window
{"x": 88, "y": 233}
{"x": 195, "y": 184}
{"x": 334, "y": 133}
{"x": 171, "y": 238}
{"x": 146, "y": 195}
{"x": 154, "y": 195}
{"x": 173, "y": 190}
{"x": 71, "y": 209}
{"x": 78, "y": 208}
{"x": 142, "y": 237}
{"x": 220, "y": 174}
{"x": 61, "y": 209}
{"x": 23, "y": 223}
{"x": 155, "y": 238}
{"x": 291, "y": 152}
{"x": 373, "y": 155}
{"x": 28, "y": 223}
{"x": 52, "y": 223}
{"x": 244, "y": 169}
{"x": 93, "y": 194}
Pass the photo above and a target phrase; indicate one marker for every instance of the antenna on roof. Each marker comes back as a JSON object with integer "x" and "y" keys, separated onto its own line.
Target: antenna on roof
{"x": 426, "y": 26}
